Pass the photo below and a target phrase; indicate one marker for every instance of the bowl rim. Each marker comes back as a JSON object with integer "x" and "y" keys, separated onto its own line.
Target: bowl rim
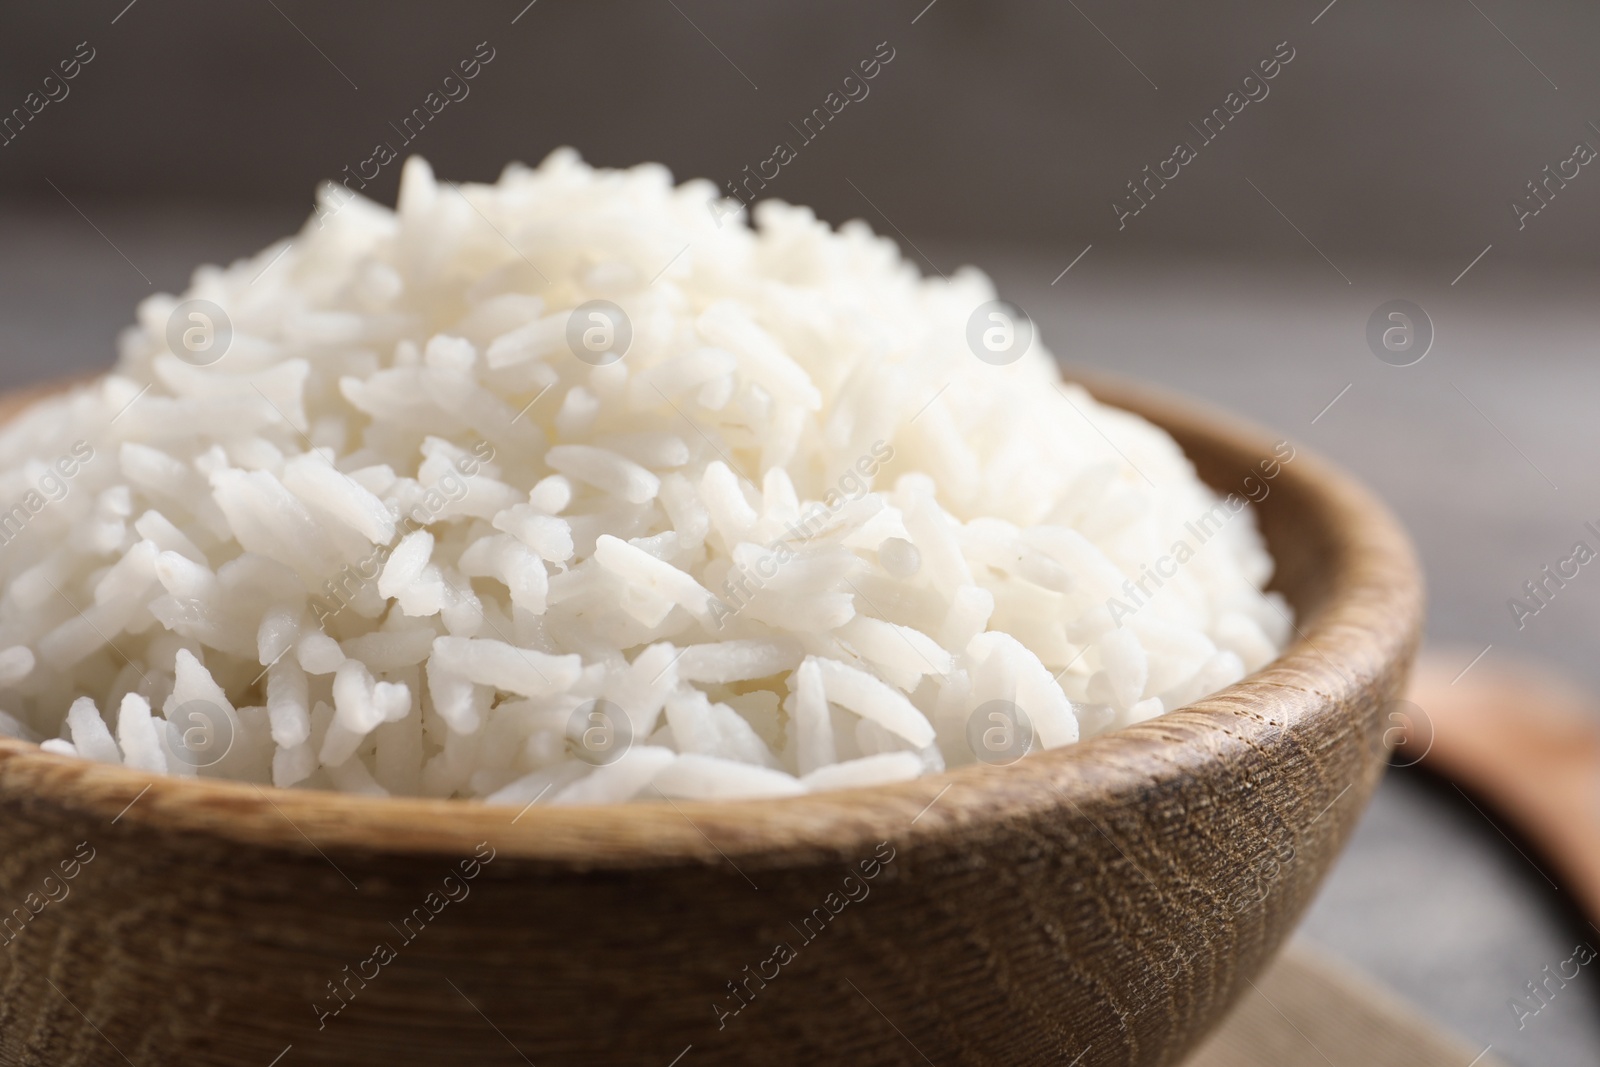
{"x": 1370, "y": 619}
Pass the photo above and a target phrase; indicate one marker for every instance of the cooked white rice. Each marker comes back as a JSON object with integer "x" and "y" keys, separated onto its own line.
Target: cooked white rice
{"x": 400, "y": 539}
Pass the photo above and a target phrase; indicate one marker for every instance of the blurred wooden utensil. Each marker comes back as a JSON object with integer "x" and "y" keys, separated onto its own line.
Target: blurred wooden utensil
{"x": 1527, "y": 742}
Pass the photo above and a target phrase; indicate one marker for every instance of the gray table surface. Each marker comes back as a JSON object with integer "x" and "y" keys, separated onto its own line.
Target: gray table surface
{"x": 1485, "y": 448}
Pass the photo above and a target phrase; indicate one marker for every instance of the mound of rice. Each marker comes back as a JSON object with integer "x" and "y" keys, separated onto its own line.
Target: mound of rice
{"x": 387, "y": 515}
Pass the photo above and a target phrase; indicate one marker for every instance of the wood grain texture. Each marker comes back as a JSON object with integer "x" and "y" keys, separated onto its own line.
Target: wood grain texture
{"x": 1108, "y": 900}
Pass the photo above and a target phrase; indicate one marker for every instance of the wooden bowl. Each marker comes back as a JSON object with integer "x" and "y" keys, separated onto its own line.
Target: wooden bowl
{"x": 1098, "y": 904}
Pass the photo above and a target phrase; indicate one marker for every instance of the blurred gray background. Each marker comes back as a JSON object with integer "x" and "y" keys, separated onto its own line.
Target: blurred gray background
{"x": 1381, "y": 164}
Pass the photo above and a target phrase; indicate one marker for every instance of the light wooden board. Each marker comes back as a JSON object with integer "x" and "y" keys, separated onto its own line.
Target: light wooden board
{"x": 1307, "y": 1011}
